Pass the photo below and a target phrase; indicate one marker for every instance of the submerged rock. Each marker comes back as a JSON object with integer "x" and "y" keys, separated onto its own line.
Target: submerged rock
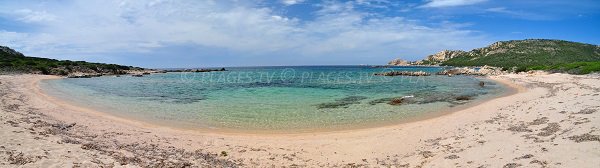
{"x": 396, "y": 101}
{"x": 334, "y": 105}
{"x": 193, "y": 70}
{"x": 463, "y": 97}
{"x": 343, "y": 102}
{"x": 424, "y": 98}
{"x": 84, "y": 75}
{"x": 352, "y": 98}
{"x": 378, "y": 101}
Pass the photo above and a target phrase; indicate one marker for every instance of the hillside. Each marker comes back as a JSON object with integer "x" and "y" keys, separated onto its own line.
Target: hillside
{"x": 527, "y": 53}
{"x": 523, "y": 55}
{"x": 13, "y": 61}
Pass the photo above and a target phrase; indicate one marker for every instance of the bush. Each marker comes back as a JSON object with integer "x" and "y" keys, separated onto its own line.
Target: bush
{"x": 63, "y": 73}
{"x": 539, "y": 67}
{"x": 577, "y": 67}
{"x": 521, "y": 69}
{"x": 22, "y": 63}
{"x": 43, "y": 69}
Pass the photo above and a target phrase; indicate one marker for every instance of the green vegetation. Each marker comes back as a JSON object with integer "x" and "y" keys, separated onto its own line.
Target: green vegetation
{"x": 11, "y": 60}
{"x": 428, "y": 62}
{"x": 572, "y": 68}
{"x": 534, "y": 54}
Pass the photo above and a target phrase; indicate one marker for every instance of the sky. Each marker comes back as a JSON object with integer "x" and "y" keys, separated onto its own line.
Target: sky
{"x": 217, "y": 33}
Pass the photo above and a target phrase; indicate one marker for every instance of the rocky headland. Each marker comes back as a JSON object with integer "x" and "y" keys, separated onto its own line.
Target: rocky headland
{"x": 516, "y": 56}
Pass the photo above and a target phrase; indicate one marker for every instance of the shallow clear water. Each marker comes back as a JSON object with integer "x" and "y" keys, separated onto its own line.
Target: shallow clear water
{"x": 272, "y": 98}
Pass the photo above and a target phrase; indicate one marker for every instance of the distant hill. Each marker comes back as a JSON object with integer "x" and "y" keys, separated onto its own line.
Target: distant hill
{"x": 527, "y": 53}
{"x": 11, "y": 60}
{"x": 398, "y": 62}
{"x": 522, "y": 55}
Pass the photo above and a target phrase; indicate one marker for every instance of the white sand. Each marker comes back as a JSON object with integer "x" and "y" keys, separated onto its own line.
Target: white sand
{"x": 553, "y": 121}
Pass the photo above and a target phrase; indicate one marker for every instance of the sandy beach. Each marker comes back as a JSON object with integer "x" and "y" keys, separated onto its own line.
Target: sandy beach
{"x": 552, "y": 121}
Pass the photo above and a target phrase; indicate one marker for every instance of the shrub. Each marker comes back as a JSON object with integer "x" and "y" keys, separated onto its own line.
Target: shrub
{"x": 520, "y": 69}
{"x": 43, "y": 69}
{"x": 63, "y": 73}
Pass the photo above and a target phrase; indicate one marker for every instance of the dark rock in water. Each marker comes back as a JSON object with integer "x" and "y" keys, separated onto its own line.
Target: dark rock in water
{"x": 352, "y": 98}
{"x": 396, "y": 101}
{"x": 378, "y": 101}
{"x": 403, "y": 73}
{"x": 137, "y": 75}
{"x": 430, "y": 97}
{"x": 85, "y": 76}
{"x": 425, "y": 98}
{"x": 481, "y": 83}
{"x": 79, "y": 76}
{"x": 463, "y": 97}
{"x": 186, "y": 100}
{"x": 343, "y": 102}
{"x": 193, "y": 70}
{"x": 334, "y": 105}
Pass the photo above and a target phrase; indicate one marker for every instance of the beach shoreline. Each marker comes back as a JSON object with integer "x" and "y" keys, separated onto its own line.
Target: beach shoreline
{"x": 550, "y": 116}
{"x": 509, "y": 89}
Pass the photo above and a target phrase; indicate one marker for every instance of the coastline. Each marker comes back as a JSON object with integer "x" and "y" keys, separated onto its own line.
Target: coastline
{"x": 509, "y": 89}
{"x": 517, "y": 129}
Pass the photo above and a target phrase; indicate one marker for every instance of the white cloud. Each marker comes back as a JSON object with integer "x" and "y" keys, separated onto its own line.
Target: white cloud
{"x": 518, "y": 14}
{"x": 291, "y": 2}
{"x": 497, "y": 9}
{"x": 450, "y": 3}
{"x": 337, "y": 31}
{"x": 27, "y": 15}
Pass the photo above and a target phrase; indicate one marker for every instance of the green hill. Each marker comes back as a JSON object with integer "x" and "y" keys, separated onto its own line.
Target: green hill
{"x": 532, "y": 54}
{"x": 11, "y": 60}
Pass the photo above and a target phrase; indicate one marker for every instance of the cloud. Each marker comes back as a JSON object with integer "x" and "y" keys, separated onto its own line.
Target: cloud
{"x": 519, "y": 14}
{"x": 338, "y": 33}
{"x": 450, "y": 3}
{"x": 27, "y": 15}
{"x": 291, "y": 2}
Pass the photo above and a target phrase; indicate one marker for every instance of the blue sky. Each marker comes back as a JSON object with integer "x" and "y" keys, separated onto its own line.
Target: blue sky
{"x": 214, "y": 33}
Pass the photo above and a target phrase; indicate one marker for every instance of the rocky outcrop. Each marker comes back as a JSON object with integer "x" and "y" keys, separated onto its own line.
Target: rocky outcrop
{"x": 398, "y": 62}
{"x": 403, "y": 73}
{"x": 196, "y": 70}
{"x": 82, "y": 75}
{"x": 479, "y": 71}
{"x": 442, "y": 56}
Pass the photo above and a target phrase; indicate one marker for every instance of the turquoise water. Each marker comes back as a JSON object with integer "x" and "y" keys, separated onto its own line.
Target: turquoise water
{"x": 273, "y": 98}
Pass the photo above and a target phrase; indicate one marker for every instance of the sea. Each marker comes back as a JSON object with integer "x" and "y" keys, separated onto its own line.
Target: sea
{"x": 277, "y": 99}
